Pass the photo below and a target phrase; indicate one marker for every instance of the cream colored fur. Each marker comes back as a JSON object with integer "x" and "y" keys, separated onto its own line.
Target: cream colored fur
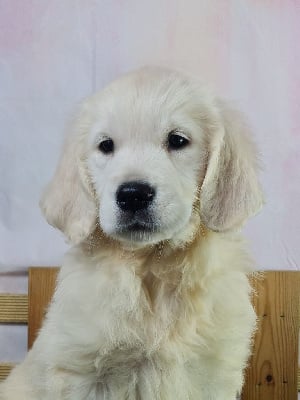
{"x": 164, "y": 315}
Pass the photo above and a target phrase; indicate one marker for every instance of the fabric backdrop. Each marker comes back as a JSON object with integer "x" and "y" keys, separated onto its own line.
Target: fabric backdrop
{"x": 54, "y": 53}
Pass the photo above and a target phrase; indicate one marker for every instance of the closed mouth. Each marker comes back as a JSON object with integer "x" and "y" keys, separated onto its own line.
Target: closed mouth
{"x": 138, "y": 223}
{"x": 136, "y": 231}
{"x": 136, "y": 227}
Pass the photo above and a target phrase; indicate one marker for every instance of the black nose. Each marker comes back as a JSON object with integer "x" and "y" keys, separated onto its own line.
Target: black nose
{"x": 134, "y": 196}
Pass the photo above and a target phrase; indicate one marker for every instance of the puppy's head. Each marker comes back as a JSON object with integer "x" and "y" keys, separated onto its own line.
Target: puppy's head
{"x": 147, "y": 157}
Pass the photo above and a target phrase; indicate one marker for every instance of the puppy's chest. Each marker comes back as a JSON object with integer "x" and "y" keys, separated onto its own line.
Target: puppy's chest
{"x": 141, "y": 330}
{"x": 126, "y": 311}
{"x": 119, "y": 360}
{"x": 147, "y": 313}
{"x": 112, "y": 318}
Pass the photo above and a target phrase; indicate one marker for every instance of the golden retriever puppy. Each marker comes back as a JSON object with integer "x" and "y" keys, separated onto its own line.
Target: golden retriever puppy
{"x": 156, "y": 178}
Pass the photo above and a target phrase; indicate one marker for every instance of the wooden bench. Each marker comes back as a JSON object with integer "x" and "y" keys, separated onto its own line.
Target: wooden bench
{"x": 273, "y": 369}
{"x": 28, "y": 308}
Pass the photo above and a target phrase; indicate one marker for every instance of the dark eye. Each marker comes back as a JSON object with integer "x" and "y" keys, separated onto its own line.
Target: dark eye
{"x": 106, "y": 146}
{"x": 176, "y": 141}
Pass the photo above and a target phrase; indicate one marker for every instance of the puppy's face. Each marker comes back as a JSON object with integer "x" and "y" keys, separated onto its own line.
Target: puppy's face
{"x": 148, "y": 158}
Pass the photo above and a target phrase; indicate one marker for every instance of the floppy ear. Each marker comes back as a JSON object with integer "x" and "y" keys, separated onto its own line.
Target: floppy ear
{"x": 68, "y": 202}
{"x": 230, "y": 191}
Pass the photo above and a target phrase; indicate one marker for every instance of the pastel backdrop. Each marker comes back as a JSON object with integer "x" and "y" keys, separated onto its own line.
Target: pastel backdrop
{"x": 54, "y": 53}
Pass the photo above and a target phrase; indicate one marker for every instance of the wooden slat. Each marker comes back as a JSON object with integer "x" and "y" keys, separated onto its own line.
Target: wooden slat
{"x": 41, "y": 285}
{"x": 5, "y": 370}
{"x": 272, "y": 374}
{"x": 13, "y": 308}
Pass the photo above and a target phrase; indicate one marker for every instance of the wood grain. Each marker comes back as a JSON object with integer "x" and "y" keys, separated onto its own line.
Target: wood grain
{"x": 41, "y": 285}
{"x": 13, "y": 308}
{"x": 5, "y": 370}
{"x": 272, "y": 374}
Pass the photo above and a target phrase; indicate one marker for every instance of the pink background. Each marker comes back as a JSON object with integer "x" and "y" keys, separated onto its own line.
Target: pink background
{"x": 53, "y": 53}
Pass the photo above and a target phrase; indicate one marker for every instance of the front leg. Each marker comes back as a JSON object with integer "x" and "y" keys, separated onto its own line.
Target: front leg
{"x": 19, "y": 385}
{"x": 36, "y": 382}
{"x": 67, "y": 385}
{"x": 219, "y": 383}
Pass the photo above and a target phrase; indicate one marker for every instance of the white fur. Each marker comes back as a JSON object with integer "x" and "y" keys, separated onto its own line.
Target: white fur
{"x": 163, "y": 314}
